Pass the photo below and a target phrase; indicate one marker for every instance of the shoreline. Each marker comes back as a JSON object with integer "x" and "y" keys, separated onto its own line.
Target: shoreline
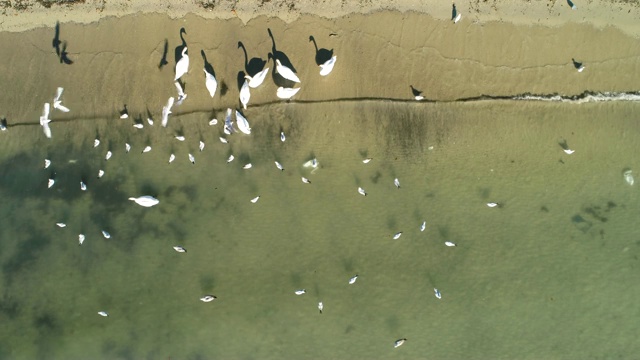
{"x": 624, "y": 16}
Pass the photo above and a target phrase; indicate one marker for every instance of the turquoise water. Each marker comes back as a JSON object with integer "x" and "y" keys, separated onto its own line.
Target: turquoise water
{"x": 551, "y": 273}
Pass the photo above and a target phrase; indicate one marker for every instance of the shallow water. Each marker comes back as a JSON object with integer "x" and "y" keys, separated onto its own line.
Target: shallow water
{"x": 548, "y": 274}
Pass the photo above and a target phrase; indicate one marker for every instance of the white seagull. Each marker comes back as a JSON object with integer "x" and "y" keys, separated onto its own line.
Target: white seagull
{"x": 450, "y": 244}
{"x": 247, "y": 166}
{"x": 192, "y": 159}
{"x": 146, "y": 200}
{"x": 361, "y": 191}
{"x": 180, "y": 138}
{"x": 437, "y": 293}
{"x": 353, "y": 279}
{"x": 230, "y": 159}
{"x": 182, "y": 66}
{"x": 100, "y": 173}
{"x": 57, "y": 103}
{"x": 245, "y": 94}
{"x": 171, "y": 158}
{"x": 300, "y": 292}
{"x": 50, "y": 183}
{"x": 213, "y": 122}
{"x": 223, "y": 140}
{"x": 166, "y": 111}
{"x": 568, "y": 151}
{"x": 423, "y": 226}
{"x": 83, "y": 186}
{"x": 103, "y": 313}
{"x": 282, "y": 137}
{"x": 208, "y": 298}
{"x": 255, "y": 199}
{"x": 396, "y": 182}
{"x": 320, "y": 306}
{"x": 242, "y": 123}
{"x": 108, "y": 155}
{"x": 47, "y": 163}
{"x": 367, "y": 160}
{"x": 286, "y": 72}
{"x": 81, "y": 238}
{"x": 399, "y": 342}
{"x": 492, "y": 204}
{"x": 106, "y": 234}
{"x": 96, "y": 143}
{"x": 201, "y": 147}
{"x": 181, "y": 94}
{"x": 325, "y": 69}
{"x": 127, "y": 147}
{"x": 286, "y": 93}
{"x": 257, "y": 79}
{"x": 180, "y": 249}
{"x": 279, "y": 166}
{"x": 397, "y": 235}
{"x": 210, "y": 82}
{"x": 305, "y": 180}
{"x": 44, "y": 121}
{"x": 146, "y": 149}
{"x": 61, "y": 225}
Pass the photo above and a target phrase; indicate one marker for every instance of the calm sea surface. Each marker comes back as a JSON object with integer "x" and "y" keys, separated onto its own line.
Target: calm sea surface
{"x": 550, "y": 273}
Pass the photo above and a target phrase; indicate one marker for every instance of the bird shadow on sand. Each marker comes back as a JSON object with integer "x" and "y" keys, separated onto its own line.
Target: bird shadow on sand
{"x": 576, "y": 64}
{"x": 60, "y": 46}
{"x": 253, "y": 66}
{"x": 322, "y": 55}
{"x": 164, "y": 61}
{"x": 207, "y": 65}
{"x": 454, "y": 11}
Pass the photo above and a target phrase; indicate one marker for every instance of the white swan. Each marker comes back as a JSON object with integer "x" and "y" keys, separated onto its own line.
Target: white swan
{"x": 286, "y": 93}
{"x": 286, "y": 72}
{"x": 57, "y": 103}
{"x": 257, "y": 79}
{"x": 210, "y": 82}
{"x": 146, "y": 200}
{"x": 166, "y": 110}
{"x": 243, "y": 124}
{"x": 325, "y": 69}
{"x": 245, "y": 94}
{"x": 182, "y": 66}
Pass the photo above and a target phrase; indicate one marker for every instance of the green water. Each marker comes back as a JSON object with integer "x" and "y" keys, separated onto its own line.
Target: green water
{"x": 549, "y": 274}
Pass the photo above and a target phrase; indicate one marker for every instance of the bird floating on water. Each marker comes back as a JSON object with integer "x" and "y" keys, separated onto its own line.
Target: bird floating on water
{"x": 127, "y": 147}
{"x": 50, "y": 183}
{"x": 103, "y": 313}
{"x": 399, "y": 342}
{"x": 492, "y": 204}
{"x": 166, "y": 111}
{"x": 286, "y": 72}
{"x": 353, "y": 279}
{"x": 282, "y": 137}
{"x": 450, "y": 244}
{"x": 47, "y": 163}
{"x": 171, "y": 158}
{"x": 245, "y": 94}
{"x": 61, "y": 225}
{"x": 305, "y": 180}
{"x": 150, "y": 121}
{"x": 367, "y": 160}
{"x": 437, "y": 293}
{"x": 247, "y": 166}
{"x": 279, "y": 166}
{"x": 181, "y": 95}
{"x": 223, "y": 140}
{"x": 397, "y": 235}
{"x": 423, "y": 226}
{"x": 96, "y": 143}
{"x": 201, "y": 147}
{"x": 146, "y": 200}
{"x": 213, "y": 122}
{"x": 361, "y": 191}
{"x": 106, "y": 234}
{"x": 182, "y": 66}
{"x": 180, "y": 138}
{"x": 230, "y": 159}
{"x": 180, "y": 249}
{"x": 396, "y": 182}
{"x": 568, "y": 151}
{"x": 300, "y": 292}
{"x": 100, "y": 173}
{"x": 327, "y": 67}
{"x": 320, "y": 306}
{"x": 628, "y": 177}
{"x": 208, "y": 298}
{"x": 255, "y": 199}
{"x": 81, "y": 238}
{"x": 44, "y": 121}
{"x": 57, "y": 103}
{"x": 146, "y": 149}
{"x": 286, "y": 93}
{"x": 83, "y": 186}
{"x": 108, "y": 155}
{"x": 243, "y": 124}
{"x": 192, "y": 159}
{"x": 257, "y": 79}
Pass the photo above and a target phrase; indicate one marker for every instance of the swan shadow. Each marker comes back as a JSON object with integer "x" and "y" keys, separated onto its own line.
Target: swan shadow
{"x": 207, "y": 65}
{"x": 415, "y": 91}
{"x": 322, "y": 55}
{"x": 164, "y": 61}
{"x": 253, "y": 66}
{"x": 179, "y": 48}
{"x": 279, "y": 55}
{"x": 454, "y": 12}
{"x": 240, "y": 80}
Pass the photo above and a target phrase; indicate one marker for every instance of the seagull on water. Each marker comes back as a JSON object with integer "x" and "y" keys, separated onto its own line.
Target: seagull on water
{"x": 353, "y": 279}
{"x": 255, "y": 199}
{"x": 61, "y": 225}
{"x": 320, "y": 306}
{"x": 286, "y": 72}
{"x": 423, "y": 226}
{"x": 108, "y": 155}
{"x": 396, "y": 182}
{"x": 399, "y": 342}
{"x": 300, "y": 292}
{"x": 106, "y": 234}
{"x": 450, "y": 244}
{"x": 492, "y": 204}
{"x": 568, "y": 151}
{"x": 208, "y": 298}
{"x": 127, "y": 147}
{"x": 245, "y": 94}
{"x": 44, "y": 121}
{"x": 397, "y": 235}
{"x": 103, "y": 313}
{"x": 223, "y": 140}
{"x": 180, "y": 249}
{"x": 146, "y": 149}
{"x": 305, "y": 180}
{"x": 57, "y": 103}
{"x": 192, "y": 159}
{"x": 181, "y": 95}
{"x": 96, "y": 143}
{"x": 180, "y": 138}
{"x": 230, "y": 159}
{"x": 81, "y": 238}
{"x": 437, "y": 293}
{"x": 213, "y": 122}
{"x": 361, "y": 191}
{"x": 247, "y": 166}
{"x": 47, "y": 163}
{"x": 50, "y": 183}
{"x": 201, "y": 147}
{"x": 367, "y": 160}
{"x": 282, "y": 137}
{"x": 286, "y": 93}
{"x": 83, "y": 186}
{"x": 171, "y": 158}
{"x": 279, "y": 166}
{"x": 146, "y": 200}
{"x": 100, "y": 173}
{"x": 166, "y": 111}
